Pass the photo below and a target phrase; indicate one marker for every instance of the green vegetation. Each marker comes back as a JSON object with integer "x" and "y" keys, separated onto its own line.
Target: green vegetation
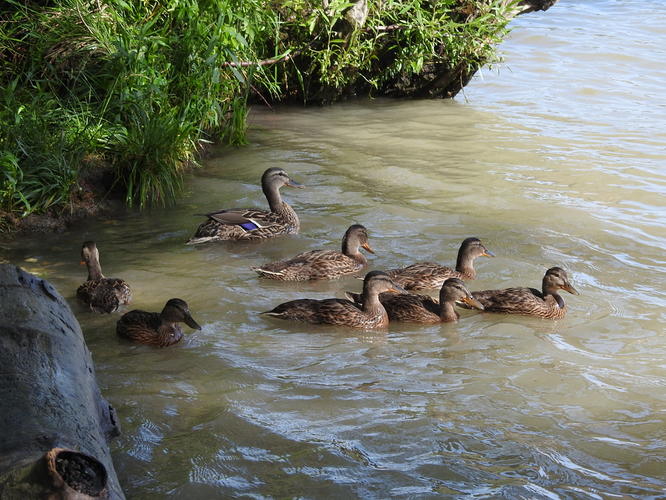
{"x": 138, "y": 87}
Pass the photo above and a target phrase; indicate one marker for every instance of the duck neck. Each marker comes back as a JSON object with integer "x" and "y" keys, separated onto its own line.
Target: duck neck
{"x": 351, "y": 250}
{"x": 272, "y": 193}
{"x": 465, "y": 264}
{"x": 371, "y": 304}
{"x": 94, "y": 268}
{"x": 549, "y": 290}
{"x": 448, "y": 312}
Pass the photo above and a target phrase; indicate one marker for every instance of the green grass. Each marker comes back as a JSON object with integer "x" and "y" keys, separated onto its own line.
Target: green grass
{"x": 140, "y": 85}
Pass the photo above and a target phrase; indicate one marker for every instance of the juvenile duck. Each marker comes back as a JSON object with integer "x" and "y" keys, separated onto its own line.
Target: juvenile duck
{"x": 546, "y": 303}
{"x": 253, "y": 224}
{"x": 157, "y": 329}
{"x": 369, "y": 314}
{"x": 322, "y": 264}
{"x": 423, "y": 308}
{"x": 424, "y": 275}
{"x": 99, "y": 293}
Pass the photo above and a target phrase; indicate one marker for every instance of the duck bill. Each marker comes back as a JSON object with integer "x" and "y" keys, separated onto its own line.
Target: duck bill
{"x": 472, "y": 302}
{"x": 397, "y": 289}
{"x": 487, "y": 253}
{"x": 294, "y": 184}
{"x": 189, "y": 321}
{"x": 367, "y": 247}
{"x": 570, "y": 289}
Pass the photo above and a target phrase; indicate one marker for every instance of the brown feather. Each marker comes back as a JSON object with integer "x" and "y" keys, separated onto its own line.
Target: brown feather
{"x": 426, "y": 275}
{"x": 546, "y": 303}
{"x": 368, "y": 314}
{"x": 99, "y": 293}
{"x": 280, "y": 219}
{"x": 322, "y": 264}
{"x": 156, "y": 329}
{"x": 417, "y": 308}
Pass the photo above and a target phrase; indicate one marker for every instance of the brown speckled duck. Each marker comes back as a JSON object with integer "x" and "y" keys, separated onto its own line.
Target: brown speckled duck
{"x": 99, "y": 293}
{"x": 423, "y": 308}
{"x": 157, "y": 329}
{"x": 253, "y": 224}
{"x": 546, "y": 303}
{"x": 322, "y": 264}
{"x": 369, "y": 314}
{"x": 425, "y": 275}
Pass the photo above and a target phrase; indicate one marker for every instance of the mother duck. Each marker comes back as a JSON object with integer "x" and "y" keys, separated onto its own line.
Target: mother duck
{"x": 251, "y": 223}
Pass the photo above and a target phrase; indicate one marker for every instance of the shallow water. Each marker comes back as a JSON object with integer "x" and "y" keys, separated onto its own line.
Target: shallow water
{"x": 558, "y": 159}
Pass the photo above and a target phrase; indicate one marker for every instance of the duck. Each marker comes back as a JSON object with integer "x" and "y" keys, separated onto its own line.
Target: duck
{"x": 417, "y": 308}
{"x": 428, "y": 275}
{"x": 99, "y": 293}
{"x": 546, "y": 303}
{"x": 251, "y": 223}
{"x": 157, "y": 329}
{"x": 369, "y": 313}
{"x": 322, "y": 264}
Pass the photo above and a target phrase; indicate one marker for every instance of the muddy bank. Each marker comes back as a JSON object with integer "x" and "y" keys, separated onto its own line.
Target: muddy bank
{"x": 54, "y": 420}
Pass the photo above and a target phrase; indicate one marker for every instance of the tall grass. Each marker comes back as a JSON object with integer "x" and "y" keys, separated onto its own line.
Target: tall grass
{"x": 140, "y": 85}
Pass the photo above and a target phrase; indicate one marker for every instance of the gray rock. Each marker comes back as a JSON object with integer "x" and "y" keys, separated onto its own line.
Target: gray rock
{"x": 49, "y": 398}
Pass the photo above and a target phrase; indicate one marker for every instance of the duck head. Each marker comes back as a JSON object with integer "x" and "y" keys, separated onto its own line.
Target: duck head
{"x": 454, "y": 290}
{"x": 177, "y": 311}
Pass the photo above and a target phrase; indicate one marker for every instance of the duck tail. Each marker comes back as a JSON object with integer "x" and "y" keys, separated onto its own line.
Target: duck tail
{"x": 272, "y": 313}
{"x": 196, "y": 241}
{"x": 266, "y": 272}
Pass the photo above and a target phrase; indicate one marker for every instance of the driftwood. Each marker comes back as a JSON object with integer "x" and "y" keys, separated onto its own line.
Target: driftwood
{"x": 54, "y": 423}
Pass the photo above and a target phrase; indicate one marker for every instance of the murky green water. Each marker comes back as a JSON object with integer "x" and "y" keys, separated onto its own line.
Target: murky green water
{"x": 557, "y": 160}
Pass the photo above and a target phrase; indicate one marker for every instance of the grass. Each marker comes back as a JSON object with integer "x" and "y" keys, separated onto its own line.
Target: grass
{"x": 140, "y": 85}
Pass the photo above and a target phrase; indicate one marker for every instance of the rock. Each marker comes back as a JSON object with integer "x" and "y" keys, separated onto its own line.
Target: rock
{"x": 54, "y": 420}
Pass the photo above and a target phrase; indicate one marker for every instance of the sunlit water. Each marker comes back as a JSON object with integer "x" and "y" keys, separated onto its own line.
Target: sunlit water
{"x": 558, "y": 159}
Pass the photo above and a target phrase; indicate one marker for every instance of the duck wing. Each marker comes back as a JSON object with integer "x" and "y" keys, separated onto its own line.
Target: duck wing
{"x": 312, "y": 265}
{"x": 422, "y": 275}
{"x": 518, "y": 300}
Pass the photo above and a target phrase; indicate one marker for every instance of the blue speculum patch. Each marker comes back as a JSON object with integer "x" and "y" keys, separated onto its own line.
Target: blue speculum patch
{"x": 249, "y": 226}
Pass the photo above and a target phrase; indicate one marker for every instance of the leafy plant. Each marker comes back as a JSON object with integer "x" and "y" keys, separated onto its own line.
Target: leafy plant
{"x": 139, "y": 85}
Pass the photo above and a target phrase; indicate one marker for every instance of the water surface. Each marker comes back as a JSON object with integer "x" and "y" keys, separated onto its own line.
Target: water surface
{"x": 557, "y": 159}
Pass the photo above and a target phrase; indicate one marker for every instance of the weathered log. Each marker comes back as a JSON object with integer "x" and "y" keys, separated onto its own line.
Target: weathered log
{"x": 54, "y": 421}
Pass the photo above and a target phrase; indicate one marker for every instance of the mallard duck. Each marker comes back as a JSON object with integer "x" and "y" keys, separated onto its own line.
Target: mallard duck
{"x": 322, "y": 264}
{"x": 369, "y": 314}
{"x": 425, "y": 275}
{"x": 99, "y": 293}
{"x": 423, "y": 308}
{"x": 157, "y": 329}
{"x": 251, "y": 223}
{"x": 546, "y": 303}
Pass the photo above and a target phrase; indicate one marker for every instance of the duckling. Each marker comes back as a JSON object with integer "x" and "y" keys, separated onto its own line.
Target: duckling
{"x": 423, "y": 308}
{"x": 157, "y": 329}
{"x": 425, "y": 275}
{"x": 370, "y": 314}
{"x": 546, "y": 303}
{"x": 253, "y": 224}
{"x": 322, "y": 264}
{"x": 99, "y": 293}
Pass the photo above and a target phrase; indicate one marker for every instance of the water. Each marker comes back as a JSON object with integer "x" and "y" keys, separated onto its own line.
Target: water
{"x": 558, "y": 159}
